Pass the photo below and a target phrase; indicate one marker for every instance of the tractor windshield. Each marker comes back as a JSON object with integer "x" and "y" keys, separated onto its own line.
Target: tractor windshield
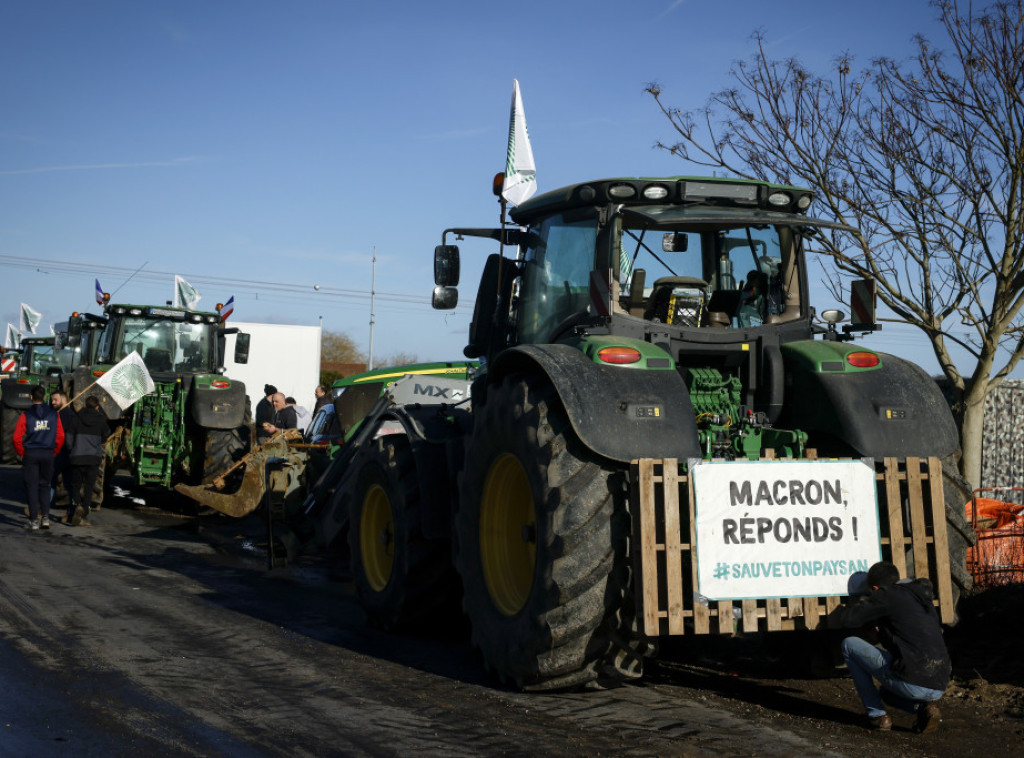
{"x": 554, "y": 287}
{"x": 167, "y": 345}
{"x": 44, "y": 360}
{"x": 733, "y": 276}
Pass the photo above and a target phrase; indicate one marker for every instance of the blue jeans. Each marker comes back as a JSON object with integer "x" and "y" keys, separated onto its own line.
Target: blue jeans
{"x": 866, "y": 663}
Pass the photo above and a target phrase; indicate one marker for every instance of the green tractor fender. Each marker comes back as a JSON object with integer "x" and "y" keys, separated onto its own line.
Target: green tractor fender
{"x": 891, "y": 409}
{"x": 619, "y": 413}
{"x": 217, "y": 402}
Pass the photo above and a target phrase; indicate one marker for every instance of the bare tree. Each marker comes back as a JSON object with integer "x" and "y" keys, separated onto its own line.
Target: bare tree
{"x": 926, "y": 157}
{"x": 340, "y": 347}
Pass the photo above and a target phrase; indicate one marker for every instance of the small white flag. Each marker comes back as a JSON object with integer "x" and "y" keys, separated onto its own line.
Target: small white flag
{"x": 185, "y": 295}
{"x": 30, "y": 318}
{"x": 520, "y": 172}
{"x": 13, "y": 340}
{"x": 127, "y": 381}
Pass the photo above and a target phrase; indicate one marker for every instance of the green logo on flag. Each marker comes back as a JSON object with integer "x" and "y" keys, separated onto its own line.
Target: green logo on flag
{"x": 129, "y": 381}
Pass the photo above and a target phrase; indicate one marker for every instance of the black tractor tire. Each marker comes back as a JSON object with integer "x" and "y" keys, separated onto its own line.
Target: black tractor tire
{"x": 223, "y": 448}
{"x": 960, "y": 533}
{"x": 402, "y": 578}
{"x": 542, "y": 538}
{"x": 8, "y": 420}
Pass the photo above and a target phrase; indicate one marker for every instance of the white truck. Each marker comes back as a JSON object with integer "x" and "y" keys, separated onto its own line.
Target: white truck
{"x": 284, "y": 355}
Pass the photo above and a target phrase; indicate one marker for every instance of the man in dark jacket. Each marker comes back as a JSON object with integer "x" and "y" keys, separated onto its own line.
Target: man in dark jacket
{"x": 88, "y": 434}
{"x": 38, "y": 438}
{"x": 913, "y": 668}
{"x": 322, "y": 393}
{"x": 62, "y": 463}
{"x": 284, "y": 416}
{"x": 265, "y": 412}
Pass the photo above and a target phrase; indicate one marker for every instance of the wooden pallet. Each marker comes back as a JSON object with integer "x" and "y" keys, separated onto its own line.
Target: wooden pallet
{"x": 911, "y": 514}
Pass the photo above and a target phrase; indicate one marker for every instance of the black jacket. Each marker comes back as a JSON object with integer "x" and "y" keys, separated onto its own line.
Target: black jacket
{"x": 264, "y": 413}
{"x": 88, "y": 433}
{"x": 908, "y": 627}
{"x": 286, "y": 418}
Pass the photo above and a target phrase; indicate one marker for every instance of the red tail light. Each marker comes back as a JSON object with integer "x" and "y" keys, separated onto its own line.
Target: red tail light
{"x": 862, "y": 359}
{"x": 97, "y": 372}
{"x": 220, "y": 384}
{"x": 619, "y": 355}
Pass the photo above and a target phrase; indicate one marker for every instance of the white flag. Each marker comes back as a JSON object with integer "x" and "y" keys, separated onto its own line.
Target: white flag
{"x": 13, "y": 340}
{"x": 185, "y": 295}
{"x": 128, "y": 380}
{"x": 520, "y": 172}
{"x": 30, "y": 318}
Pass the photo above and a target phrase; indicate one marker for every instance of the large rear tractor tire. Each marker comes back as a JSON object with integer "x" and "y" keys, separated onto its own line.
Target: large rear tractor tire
{"x": 8, "y": 420}
{"x": 960, "y": 533}
{"x": 542, "y": 534}
{"x": 401, "y": 577}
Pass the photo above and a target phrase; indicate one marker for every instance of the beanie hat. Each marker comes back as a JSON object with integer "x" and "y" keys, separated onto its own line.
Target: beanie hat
{"x": 269, "y": 389}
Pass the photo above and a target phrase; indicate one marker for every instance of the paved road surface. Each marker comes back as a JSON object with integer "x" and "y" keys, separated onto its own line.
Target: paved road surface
{"x": 155, "y": 634}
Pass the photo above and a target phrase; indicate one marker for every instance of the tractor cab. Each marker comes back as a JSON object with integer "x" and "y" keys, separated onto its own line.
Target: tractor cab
{"x": 170, "y": 341}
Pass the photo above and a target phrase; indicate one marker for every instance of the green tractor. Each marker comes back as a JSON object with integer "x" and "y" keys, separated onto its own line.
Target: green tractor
{"x": 41, "y": 362}
{"x": 196, "y": 422}
{"x": 663, "y": 440}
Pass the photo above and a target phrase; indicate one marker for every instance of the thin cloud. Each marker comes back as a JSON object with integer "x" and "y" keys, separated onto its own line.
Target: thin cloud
{"x": 98, "y": 166}
{"x": 675, "y": 4}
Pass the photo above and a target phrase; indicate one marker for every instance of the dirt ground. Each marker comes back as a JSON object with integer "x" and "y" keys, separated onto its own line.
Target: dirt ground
{"x": 983, "y": 710}
{"x": 155, "y": 633}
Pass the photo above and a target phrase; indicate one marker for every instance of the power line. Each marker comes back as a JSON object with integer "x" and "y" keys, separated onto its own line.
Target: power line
{"x": 73, "y": 268}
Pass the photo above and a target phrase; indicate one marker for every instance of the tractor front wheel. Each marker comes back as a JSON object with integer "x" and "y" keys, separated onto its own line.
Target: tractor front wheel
{"x": 401, "y": 577}
{"x": 542, "y": 534}
{"x": 223, "y": 448}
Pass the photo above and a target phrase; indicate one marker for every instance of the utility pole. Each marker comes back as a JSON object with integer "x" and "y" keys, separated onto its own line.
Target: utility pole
{"x": 373, "y": 285}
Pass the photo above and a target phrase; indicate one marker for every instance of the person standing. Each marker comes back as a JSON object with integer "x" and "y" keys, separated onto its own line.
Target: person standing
{"x": 38, "y": 438}
{"x": 302, "y": 416}
{"x": 323, "y": 397}
{"x": 284, "y": 417}
{"x": 89, "y": 433}
{"x": 913, "y": 664}
{"x": 62, "y": 463}
{"x": 265, "y": 412}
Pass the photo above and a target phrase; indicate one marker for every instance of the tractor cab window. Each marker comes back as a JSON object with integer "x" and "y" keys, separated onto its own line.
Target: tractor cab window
{"x": 165, "y": 345}
{"x": 44, "y": 360}
{"x": 734, "y": 278}
{"x": 661, "y": 275}
{"x": 746, "y": 266}
{"x": 554, "y": 286}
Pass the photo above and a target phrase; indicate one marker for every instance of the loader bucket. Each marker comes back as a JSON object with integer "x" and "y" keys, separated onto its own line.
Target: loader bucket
{"x": 249, "y": 494}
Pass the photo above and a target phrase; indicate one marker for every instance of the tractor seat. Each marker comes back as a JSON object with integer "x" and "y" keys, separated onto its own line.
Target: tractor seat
{"x": 158, "y": 359}
{"x": 679, "y": 300}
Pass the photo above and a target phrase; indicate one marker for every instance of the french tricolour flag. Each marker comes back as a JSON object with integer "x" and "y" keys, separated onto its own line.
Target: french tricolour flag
{"x": 228, "y": 309}
{"x": 99, "y": 293}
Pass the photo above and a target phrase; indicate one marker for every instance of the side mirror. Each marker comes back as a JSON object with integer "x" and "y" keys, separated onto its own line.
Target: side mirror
{"x": 242, "y": 347}
{"x": 675, "y": 242}
{"x": 445, "y": 298}
{"x": 833, "y": 316}
{"x": 446, "y": 266}
{"x": 74, "y": 336}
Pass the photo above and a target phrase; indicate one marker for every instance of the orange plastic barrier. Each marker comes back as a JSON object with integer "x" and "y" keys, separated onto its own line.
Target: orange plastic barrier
{"x": 998, "y": 558}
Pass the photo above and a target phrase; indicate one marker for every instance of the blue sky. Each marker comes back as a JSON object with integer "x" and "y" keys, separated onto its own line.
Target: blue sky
{"x": 260, "y": 148}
